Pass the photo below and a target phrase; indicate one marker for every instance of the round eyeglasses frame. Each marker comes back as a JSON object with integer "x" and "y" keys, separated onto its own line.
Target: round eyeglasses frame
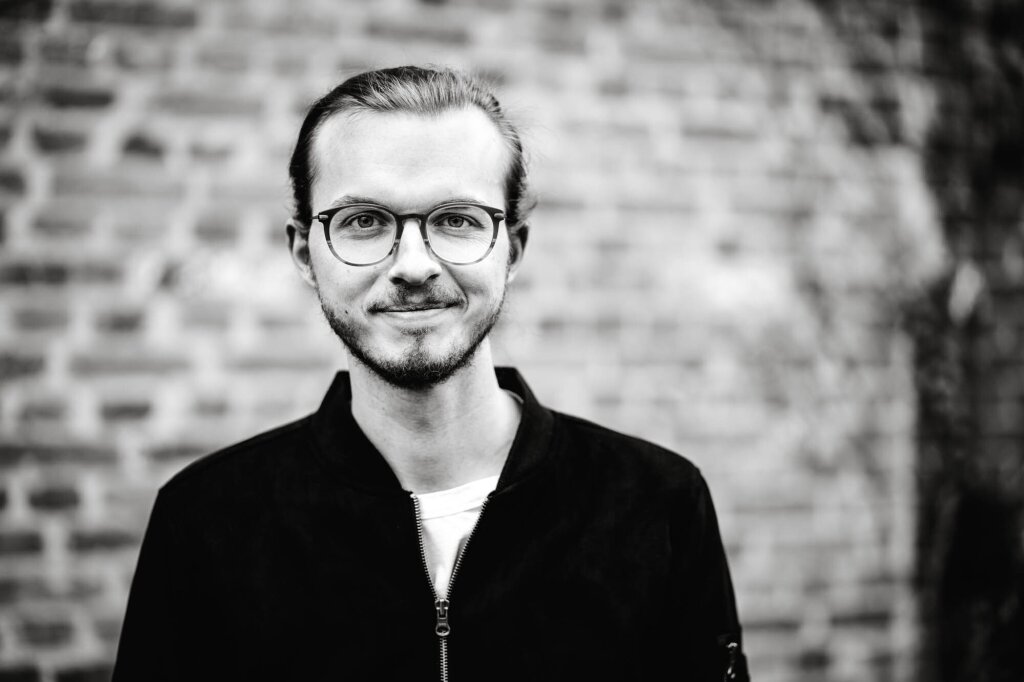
{"x": 497, "y": 215}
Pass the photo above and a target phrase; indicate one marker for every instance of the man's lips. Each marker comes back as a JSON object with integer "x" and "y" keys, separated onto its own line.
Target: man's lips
{"x": 412, "y": 307}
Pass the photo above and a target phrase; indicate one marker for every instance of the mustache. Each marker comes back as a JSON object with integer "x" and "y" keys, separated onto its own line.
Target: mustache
{"x": 404, "y": 301}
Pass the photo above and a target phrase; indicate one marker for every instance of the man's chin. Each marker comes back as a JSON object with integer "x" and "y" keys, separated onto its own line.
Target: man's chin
{"x": 417, "y": 356}
{"x": 412, "y": 358}
{"x": 417, "y": 371}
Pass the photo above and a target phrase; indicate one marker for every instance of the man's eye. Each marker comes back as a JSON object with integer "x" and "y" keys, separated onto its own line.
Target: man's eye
{"x": 364, "y": 221}
{"x": 457, "y": 221}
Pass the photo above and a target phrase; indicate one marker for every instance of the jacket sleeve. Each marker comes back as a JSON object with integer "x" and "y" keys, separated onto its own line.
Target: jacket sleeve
{"x": 161, "y": 633}
{"x": 711, "y": 633}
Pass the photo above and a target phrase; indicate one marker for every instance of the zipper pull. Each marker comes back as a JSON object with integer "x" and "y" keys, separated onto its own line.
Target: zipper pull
{"x": 442, "y": 628}
{"x": 731, "y": 674}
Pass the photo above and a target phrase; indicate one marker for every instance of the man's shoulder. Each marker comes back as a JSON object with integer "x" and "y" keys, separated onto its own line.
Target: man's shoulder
{"x": 606, "y": 447}
{"x": 256, "y": 457}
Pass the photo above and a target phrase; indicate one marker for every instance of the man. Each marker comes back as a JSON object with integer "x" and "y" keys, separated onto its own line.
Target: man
{"x": 431, "y": 518}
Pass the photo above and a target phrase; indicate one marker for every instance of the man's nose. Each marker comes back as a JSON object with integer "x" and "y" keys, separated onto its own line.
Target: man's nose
{"x": 413, "y": 262}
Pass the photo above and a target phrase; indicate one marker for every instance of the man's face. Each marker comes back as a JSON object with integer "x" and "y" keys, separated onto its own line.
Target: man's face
{"x": 412, "y": 319}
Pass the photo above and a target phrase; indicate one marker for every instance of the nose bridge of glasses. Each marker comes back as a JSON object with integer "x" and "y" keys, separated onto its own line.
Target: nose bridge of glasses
{"x": 417, "y": 231}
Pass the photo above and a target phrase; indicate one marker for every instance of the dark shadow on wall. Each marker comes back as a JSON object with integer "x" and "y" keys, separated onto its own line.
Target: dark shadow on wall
{"x": 968, "y": 327}
{"x": 969, "y": 339}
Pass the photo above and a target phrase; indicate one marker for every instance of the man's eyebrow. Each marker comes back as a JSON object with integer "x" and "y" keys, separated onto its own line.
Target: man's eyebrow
{"x": 353, "y": 199}
{"x": 347, "y": 199}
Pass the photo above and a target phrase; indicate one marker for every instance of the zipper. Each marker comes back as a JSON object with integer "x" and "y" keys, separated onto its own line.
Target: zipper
{"x": 442, "y": 628}
{"x": 732, "y": 671}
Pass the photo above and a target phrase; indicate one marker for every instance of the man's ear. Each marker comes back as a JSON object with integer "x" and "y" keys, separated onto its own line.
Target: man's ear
{"x": 298, "y": 246}
{"x": 516, "y": 247}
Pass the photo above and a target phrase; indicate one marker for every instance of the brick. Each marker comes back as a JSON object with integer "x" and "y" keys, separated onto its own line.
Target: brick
{"x": 20, "y": 673}
{"x": 3, "y": 499}
{"x": 144, "y": 55}
{"x": 46, "y": 633}
{"x": 615, "y": 11}
{"x": 107, "y": 539}
{"x": 290, "y": 65}
{"x": 13, "y": 543}
{"x": 145, "y": 146}
{"x": 762, "y": 624}
{"x": 77, "y": 589}
{"x": 10, "y": 589}
{"x": 124, "y": 183}
{"x": 814, "y": 660}
{"x": 446, "y": 34}
{"x": 97, "y": 273}
{"x": 614, "y": 86}
{"x": 13, "y": 453}
{"x": 70, "y": 49}
{"x": 178, "y": 451}
{"x": 55, "y": 141}
{"x": 565, "y": 39}
{"x": 210, "y": 408}
{"x": 226, "y": 58}
{"x": 272, "y": 362}
{"x": 11, "y": 52}
{"x": 20, "y": 365}
{"x": 208, "y": 152}
{"x": 217, "y": 229}
{"x": 125, "y": 411}
{"x": 80, "y": 97}
{"x": 143, "y": 229}
{"x": 874, "y": 618}
{"x": 127, "y": 364}
{"x": 40, "y": 411}
{"x": 206, "y": 318}
{"x": 26, "y": 10}
{"x": 721, "y": 128}
{"x": 54, "y": 498}
{"x": 62, "y": 227}
{"x": 100, "y": 672}
{"x": 280, "y": 20}
{"x": 12, "y": 181}
{"x": 240, "y": 192}
{"x": 108, "y": 630}
{"x": 206, "y": 104}
{"x": 142, "y": 14}
{"x": 275, "y": 322}
{"x": 33, "y": 273}
{"x": 120, "y": 321}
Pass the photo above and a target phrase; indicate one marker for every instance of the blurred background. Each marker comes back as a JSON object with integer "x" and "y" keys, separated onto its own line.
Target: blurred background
{"x": 784, "y": 238}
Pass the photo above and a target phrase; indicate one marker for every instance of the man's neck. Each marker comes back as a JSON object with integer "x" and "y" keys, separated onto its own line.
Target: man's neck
{"x": 441, "y": 437}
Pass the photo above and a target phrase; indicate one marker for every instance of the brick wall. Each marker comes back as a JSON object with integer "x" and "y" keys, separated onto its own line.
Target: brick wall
{"x": 970, "y": 350}
{"x": 733, "y": 214}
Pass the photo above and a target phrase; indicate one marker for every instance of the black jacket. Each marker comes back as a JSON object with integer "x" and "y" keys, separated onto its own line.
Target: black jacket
{"x": 295, "y": 556}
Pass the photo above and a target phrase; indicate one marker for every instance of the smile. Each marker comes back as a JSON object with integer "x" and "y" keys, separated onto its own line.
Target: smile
{"x": 413, "y": 314}
{"x": 418, "y": 308}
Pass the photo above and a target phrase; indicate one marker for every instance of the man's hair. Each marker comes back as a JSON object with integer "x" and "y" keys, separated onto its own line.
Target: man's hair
{"x": 416, "y": 90}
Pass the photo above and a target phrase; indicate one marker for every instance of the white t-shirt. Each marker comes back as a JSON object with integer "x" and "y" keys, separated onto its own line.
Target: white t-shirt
{"x": 448, "y": 517}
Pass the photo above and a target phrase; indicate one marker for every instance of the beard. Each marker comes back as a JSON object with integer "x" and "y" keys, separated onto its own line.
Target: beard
{"x": 418, "y": 368}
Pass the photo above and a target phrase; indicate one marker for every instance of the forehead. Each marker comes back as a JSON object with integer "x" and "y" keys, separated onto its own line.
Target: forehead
{"x": 409, "y": 160}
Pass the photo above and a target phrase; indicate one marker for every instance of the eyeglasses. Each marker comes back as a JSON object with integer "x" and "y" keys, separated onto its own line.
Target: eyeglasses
{"x": 365, "y": 234}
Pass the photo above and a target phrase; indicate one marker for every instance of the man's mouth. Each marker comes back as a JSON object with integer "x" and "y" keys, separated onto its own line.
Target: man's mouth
{"x": 412, "y": 307}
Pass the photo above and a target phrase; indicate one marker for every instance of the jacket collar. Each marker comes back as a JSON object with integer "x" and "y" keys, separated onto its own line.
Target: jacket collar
{"x": 345, "y": 450}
